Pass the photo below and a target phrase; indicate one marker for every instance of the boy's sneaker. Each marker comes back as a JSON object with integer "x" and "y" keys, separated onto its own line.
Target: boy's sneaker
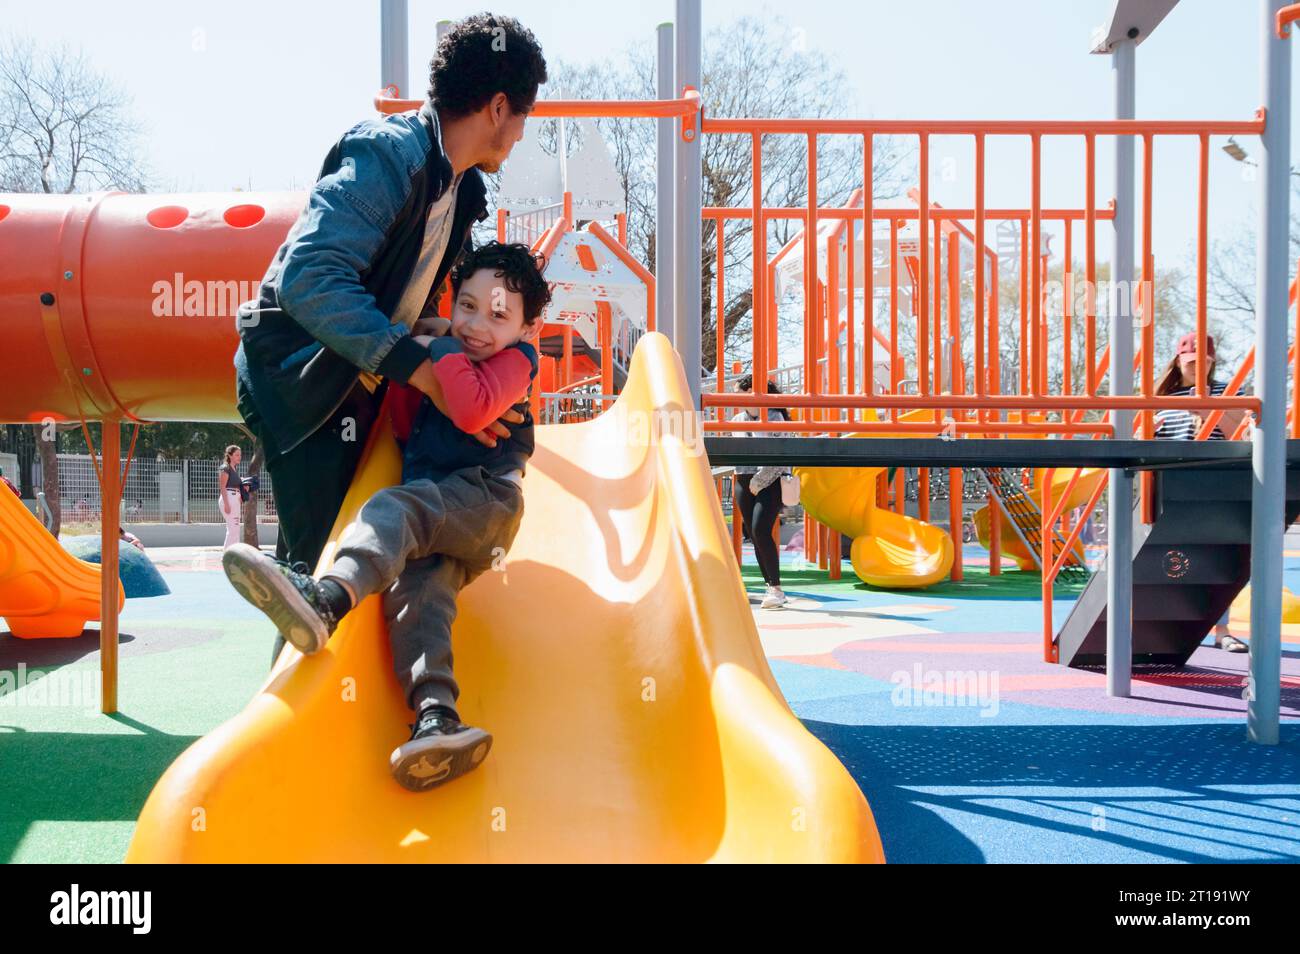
{"x": 774, "y": 599}
{"x": 441, "y": 748}
{"x": 287, "y": 593}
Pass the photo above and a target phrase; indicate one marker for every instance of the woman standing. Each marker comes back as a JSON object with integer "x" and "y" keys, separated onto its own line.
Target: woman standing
{"x": 758, "y": 496}
{"x": 228, "y": 494}
{"x": 1179, "y": 380}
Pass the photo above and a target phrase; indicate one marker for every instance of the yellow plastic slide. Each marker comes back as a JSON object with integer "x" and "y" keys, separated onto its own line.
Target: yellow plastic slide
{"x": 614, "y": 658}
{"x": 44, "y": 590}
{"x": 889, "y": 550}
{"x": 1012, "y": 545}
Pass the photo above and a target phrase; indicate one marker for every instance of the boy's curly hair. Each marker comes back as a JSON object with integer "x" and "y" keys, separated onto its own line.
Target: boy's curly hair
{"x": 517, "y": 264}
{"x": 481, "y": 56}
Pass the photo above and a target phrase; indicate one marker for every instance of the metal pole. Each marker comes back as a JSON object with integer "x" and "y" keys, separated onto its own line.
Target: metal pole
{"x": 1119, "y": 562}
{"x": 687, "y": 318}
{"x": 665, "y": 200}
{"x": 1268, "y": 490}
{"x": 393, "y": 67}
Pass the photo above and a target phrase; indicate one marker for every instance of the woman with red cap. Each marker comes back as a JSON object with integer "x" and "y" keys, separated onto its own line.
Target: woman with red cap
{"x": 1179, "y": 380}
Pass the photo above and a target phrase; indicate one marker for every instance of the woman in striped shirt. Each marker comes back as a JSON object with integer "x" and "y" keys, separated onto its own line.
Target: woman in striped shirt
{"x": 1179, "y": 380}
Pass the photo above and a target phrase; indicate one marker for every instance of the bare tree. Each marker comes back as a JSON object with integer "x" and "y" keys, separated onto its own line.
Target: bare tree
{"x": 64, "y": 127}
{"x": 751, "y": 69}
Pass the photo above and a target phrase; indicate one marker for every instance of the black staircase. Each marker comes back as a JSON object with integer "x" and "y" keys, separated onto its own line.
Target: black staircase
{"x": 1027, "y": 520}
{"x": 1188, "y": 567}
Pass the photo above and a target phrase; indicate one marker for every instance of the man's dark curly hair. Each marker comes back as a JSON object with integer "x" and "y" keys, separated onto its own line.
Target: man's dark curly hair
{"x": 520, "y": 267}
{"x": 481, "y": 56}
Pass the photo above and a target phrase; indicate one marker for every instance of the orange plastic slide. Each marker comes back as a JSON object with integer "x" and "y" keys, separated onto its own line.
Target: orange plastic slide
{"x": 44, "y": 590}
{"x": 1011, "y": 543}
{"x": 614, "y": 658}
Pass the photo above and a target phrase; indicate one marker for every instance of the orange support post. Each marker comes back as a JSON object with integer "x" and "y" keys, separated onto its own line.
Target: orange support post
{"x": 956, "y": 518}
{"x": 956, "y": 369}
{"x": 895, "y": 368}
{"x": 110, "y": 495}
{"x": 868, "y": 267}
{"x": 1067, "y": 310}
{"x": 921, "y": 301}
{"x": 1090, "y": 264}
{"x": 1024, "y": 307}
{"x": 981, "y": 312}
{"x": 1045, "y": 535}
{"x": 720, "y": 323}
{"x": 1202, "y": 242}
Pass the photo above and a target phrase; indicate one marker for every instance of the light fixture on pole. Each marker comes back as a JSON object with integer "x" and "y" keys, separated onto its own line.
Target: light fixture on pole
{"x": 1233, "y": 149}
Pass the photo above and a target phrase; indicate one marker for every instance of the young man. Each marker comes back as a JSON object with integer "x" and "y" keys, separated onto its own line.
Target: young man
{"x": 388, "y": 217}
{"x": 456, "y": 510}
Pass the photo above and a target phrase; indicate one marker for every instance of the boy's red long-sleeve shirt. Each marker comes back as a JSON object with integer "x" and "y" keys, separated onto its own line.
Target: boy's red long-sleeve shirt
{"x": 476, "y": 394}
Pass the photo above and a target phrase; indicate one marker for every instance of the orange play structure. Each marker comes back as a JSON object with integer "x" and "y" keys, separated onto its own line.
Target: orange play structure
{"x": 653, "y": 731}
{"x": 44, "y": 590}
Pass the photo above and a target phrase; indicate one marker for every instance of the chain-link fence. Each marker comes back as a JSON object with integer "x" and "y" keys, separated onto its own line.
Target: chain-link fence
{"x": 157, "y": 491}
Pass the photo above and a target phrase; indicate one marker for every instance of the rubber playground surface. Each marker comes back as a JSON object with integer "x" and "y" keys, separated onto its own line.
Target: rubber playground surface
{"x": 968, "y": 747}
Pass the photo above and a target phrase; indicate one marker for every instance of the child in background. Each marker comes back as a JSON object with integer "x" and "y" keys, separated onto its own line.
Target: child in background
{"x": 456, "y": 511}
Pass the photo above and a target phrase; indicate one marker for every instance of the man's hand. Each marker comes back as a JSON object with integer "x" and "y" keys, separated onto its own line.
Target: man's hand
{"x": 432, "y": 325}
{"x": 426, "y": 381}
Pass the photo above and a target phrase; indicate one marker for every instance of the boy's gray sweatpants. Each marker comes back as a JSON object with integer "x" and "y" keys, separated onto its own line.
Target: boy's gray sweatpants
{"x": 421, "y": 543}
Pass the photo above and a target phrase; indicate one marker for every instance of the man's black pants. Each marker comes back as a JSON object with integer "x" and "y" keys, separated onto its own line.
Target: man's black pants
{"x": 310, "y": 481}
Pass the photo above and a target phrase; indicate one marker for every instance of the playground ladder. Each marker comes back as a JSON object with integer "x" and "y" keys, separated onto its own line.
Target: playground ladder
{"x": 1024, "y": 515}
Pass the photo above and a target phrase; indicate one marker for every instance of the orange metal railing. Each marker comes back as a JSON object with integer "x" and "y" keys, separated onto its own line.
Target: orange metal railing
{"x": 965, "y": 403}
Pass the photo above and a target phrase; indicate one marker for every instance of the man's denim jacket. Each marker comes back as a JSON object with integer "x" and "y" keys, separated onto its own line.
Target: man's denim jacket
{"x": 324, "y": 311}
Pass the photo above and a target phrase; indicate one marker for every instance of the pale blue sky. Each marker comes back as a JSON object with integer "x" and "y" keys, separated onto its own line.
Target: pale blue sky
{"x": 242, "y": 93}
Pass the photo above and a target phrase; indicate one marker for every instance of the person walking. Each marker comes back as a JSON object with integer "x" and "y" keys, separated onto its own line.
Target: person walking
{"x": 228, "y": 495}
{"x": 758, "y": 497}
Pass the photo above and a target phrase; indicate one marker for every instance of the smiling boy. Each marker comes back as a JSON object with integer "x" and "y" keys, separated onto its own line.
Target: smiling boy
{"x": 453, "y": 516}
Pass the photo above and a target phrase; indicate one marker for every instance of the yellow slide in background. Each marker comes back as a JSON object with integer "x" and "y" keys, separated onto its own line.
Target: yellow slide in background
{"x": 1011, "y": 543}
{"x": 45, "y": 591}
{"x": 613, "y": 657}
{"x": 889, "y": 550}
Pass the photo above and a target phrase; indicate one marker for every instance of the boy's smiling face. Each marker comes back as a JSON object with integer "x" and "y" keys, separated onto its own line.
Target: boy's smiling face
{"x": 486, "y": 316}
